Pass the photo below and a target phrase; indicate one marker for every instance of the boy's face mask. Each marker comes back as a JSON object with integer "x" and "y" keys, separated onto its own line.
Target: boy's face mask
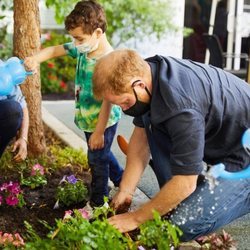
{"x": 139, "y": 108}
{"x": 86, "y": 47}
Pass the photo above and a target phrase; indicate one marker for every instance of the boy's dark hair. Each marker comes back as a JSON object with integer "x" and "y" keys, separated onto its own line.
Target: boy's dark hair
{"x": 89, "y": 15}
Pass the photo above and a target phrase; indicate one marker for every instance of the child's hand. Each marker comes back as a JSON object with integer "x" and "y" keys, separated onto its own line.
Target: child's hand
{"x": 31, "y": 64}
{"x": 96, "y": 141}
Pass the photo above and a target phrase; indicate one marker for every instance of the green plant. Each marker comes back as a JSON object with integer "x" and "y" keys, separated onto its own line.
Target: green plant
{"x": 11, "y": 194}
{"x": 68, "y": 156}
{"x": 57, "y": 75}
{"x": 36, "y": 178}
{"x": 77, "y": 233}
{"x": 104, "y": 211}
{"x": 56, "y": 157}
{"x": 5, "y": 38}
{"x": 5, "y": 43}
{"x": 71, "y": 191}
{"x": 159, "y": 233}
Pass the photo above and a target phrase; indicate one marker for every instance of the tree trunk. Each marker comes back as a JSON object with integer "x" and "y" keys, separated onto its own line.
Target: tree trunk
{"x": 26, "y": 41}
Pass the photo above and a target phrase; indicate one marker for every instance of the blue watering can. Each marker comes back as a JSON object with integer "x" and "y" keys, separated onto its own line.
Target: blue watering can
{"x": 12, "y": 72}
{"x": 218, "y": 170}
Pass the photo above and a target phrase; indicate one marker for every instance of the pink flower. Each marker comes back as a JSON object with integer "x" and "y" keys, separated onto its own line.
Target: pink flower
{"x": 4, "y": 186}
{"x": 37, "y": 169}
{"x": 48, "y": 36}
{"x": 67, "y": 214}
{"x": 12, "y": 200}
{"x": 84, "y": 213}
{"x": 18, "y": 241}
{"x": 7, "y": 238}
{"x": 13, "y": 188}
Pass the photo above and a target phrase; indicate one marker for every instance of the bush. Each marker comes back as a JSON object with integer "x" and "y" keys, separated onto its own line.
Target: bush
{"x": 57, "y": 75}
{"x": 5, "y": 44}
{"x": 77, "y": 232}
{"x": 54, "y": 159}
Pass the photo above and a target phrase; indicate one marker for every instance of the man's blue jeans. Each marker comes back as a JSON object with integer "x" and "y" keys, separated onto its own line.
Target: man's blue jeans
{"x": 11, "y": 115}
{"x": 204, "y": 211}
{"x": 103, "y": 165}
{"x": 207, "y": 210}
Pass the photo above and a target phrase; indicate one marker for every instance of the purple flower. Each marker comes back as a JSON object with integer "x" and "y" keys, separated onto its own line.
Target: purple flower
{"x": 12, "y": 200}
{"x": 71, "y": 179}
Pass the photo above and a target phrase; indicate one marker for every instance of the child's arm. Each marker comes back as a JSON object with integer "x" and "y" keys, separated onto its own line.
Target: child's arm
{"x": 96, "y": 140}
{"x": 32, "y": 62}
{"x": 21, "y": 143}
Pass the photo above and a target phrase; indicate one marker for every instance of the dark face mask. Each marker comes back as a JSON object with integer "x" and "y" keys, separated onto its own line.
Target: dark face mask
{"x": 139, "y": 108}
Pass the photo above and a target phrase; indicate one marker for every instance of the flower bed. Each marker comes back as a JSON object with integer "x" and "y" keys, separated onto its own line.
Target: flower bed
{"x": 39, "y": 193}
{"x": 41, "y": 207}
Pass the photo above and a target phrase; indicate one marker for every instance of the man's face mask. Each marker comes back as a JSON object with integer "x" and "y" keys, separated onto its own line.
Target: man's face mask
{"x": 139, "y": 108}
{"x": 86, "y": 47}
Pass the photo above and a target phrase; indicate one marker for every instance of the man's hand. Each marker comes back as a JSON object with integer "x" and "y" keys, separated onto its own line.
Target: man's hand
{"x": 124, "y": 222}
{"x": 21, "y": 146}
{"x": 96, "y": 141}
{"x": 122, "y": 201}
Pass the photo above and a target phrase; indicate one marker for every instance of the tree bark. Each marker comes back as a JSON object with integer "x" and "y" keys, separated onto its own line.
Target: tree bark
{"x": 26, "y": 42}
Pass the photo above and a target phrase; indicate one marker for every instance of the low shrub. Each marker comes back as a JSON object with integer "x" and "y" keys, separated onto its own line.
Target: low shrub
{"x": 57, "y": 75}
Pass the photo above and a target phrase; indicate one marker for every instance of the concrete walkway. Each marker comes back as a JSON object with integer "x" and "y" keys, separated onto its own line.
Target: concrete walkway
{"x": 59, "y": 116}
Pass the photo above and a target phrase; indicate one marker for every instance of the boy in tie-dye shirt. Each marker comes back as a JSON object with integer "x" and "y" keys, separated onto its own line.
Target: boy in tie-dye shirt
{"x": 87, "y": 25}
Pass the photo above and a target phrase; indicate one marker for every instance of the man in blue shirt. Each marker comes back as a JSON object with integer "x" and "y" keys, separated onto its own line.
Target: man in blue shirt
{"x": 186, "y": 114}
{"x": 13, "y": 118}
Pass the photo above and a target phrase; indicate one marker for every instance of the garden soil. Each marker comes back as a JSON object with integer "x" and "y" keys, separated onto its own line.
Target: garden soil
{"x": 39, "y": 201}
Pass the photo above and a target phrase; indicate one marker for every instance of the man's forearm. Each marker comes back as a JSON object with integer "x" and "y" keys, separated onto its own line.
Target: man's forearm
{"x": 171, "y": 194}
{"x": 137, "y": 159}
